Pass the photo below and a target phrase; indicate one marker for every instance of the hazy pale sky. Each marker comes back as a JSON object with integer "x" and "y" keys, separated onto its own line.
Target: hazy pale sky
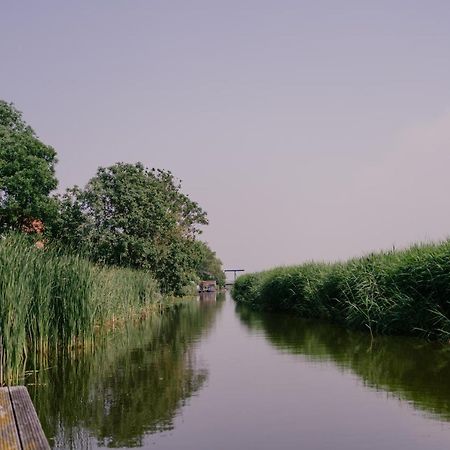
{"x": 306, "y": 129}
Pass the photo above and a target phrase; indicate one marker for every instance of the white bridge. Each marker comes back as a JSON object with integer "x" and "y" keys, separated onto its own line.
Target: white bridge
{"x": 235, "y": 271}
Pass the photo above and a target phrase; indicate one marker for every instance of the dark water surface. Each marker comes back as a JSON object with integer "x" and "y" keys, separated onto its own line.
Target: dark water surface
{"x": 216, "y": 376}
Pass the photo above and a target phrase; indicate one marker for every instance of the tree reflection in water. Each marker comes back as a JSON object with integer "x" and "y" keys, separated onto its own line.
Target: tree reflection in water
{"x": 133, "y": 384}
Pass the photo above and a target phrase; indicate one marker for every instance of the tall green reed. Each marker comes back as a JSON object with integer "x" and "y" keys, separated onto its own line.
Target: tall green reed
{"x": 402, "y": 292}
{"x": 48, "y": 298}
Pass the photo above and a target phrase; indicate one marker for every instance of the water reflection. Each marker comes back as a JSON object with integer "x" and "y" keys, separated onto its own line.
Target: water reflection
{"x": 133, "y": 384}
{"x": 411, "y": 369}
{"x": 209, "y": 297}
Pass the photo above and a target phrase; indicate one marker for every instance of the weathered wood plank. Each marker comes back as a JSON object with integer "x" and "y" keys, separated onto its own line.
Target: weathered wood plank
{"x": 9, "y": 438}
{"x": 31, "y": 435}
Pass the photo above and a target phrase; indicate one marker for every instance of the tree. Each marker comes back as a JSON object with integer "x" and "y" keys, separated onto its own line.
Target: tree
{"x": 132, "y": 216}
{"x": 27, "y": 172}
{"x": 208, "y": 265}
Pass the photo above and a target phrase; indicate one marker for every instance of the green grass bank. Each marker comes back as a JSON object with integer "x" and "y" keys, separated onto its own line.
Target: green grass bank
{"x": 50, "y": 300}
{"x": 398, "y": 292}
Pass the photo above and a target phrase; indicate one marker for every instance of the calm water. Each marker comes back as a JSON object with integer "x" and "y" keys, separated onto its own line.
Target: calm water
{"x": 215, "y": 376}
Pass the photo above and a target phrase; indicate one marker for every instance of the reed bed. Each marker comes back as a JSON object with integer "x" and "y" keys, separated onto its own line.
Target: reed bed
{"x": 398, "y": 292}
{"x": 49, "y": 299}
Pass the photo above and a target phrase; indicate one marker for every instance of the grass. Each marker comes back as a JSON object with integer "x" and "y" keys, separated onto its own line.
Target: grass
{"x": 398, "y": 292}
{"x": 51, "y": 299}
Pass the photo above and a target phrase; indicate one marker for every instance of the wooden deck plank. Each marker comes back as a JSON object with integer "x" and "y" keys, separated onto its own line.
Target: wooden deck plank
{"x": 31, "y": 435}
{"x": 9, "y": 438}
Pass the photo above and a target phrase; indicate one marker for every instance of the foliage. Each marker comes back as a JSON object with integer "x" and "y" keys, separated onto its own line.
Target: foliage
{"x": 131, "y": 216}
{"x": 208, "y": 265}
{"x": 404, "y": 292}
{"x": 27, "y": 174}
{"x": 48, "y": 297}
{"x": 126, "y": 216}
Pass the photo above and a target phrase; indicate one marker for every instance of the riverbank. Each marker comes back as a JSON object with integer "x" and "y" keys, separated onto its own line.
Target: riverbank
{"x": 398, "y": 292}
{"x": 49, "y": 299}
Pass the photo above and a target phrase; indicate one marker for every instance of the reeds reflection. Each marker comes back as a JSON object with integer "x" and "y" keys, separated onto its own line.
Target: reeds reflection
{"x": 132, "y": 384}
{"x": 411, "y": 369}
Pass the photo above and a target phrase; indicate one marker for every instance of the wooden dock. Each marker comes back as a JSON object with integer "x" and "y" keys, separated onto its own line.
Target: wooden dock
{"x": 20, "y": 428}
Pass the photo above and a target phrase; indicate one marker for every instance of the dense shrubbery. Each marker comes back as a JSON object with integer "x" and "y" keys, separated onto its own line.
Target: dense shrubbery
{"x": 27, "y": 172}
{"x": 126, "y": 216}
{"x": 403, "y": 292}
{"x": 131, "y": 216}
{"x": 134, "y": 226}
{"x": 208, "y": 266}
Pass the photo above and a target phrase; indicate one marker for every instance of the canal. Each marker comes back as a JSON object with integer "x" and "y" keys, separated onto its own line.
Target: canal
{"x": 213, "y": 375}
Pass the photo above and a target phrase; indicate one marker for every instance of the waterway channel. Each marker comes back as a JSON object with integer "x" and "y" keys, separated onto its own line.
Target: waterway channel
{"x": 213, "y": 375}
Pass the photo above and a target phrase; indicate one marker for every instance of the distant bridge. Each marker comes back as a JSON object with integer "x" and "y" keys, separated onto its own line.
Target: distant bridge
{"x": 235, "y": 271}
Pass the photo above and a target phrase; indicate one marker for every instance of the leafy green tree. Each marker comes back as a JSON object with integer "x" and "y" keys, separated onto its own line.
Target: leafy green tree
{"x": 132, "y": 216}
{"x": 208, "y": 265}
{"x": 27, "y": 172}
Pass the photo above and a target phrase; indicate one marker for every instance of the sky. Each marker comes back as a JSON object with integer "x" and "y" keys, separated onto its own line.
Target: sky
{"x": 308, "y": 130}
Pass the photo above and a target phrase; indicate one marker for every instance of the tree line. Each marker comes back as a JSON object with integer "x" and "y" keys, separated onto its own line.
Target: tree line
{"x": 127, "y": 215}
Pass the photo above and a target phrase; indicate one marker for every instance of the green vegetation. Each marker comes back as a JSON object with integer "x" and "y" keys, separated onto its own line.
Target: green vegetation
{"x": 27, "y": 173}
{"x": 126, "y": 216}
{"x": 130, "y": 216}
{"x": 51, "y": 299}
{"x": 104, "y": 253}
{"x": 208, "y": 265}
{"x": 399, "y": 292}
